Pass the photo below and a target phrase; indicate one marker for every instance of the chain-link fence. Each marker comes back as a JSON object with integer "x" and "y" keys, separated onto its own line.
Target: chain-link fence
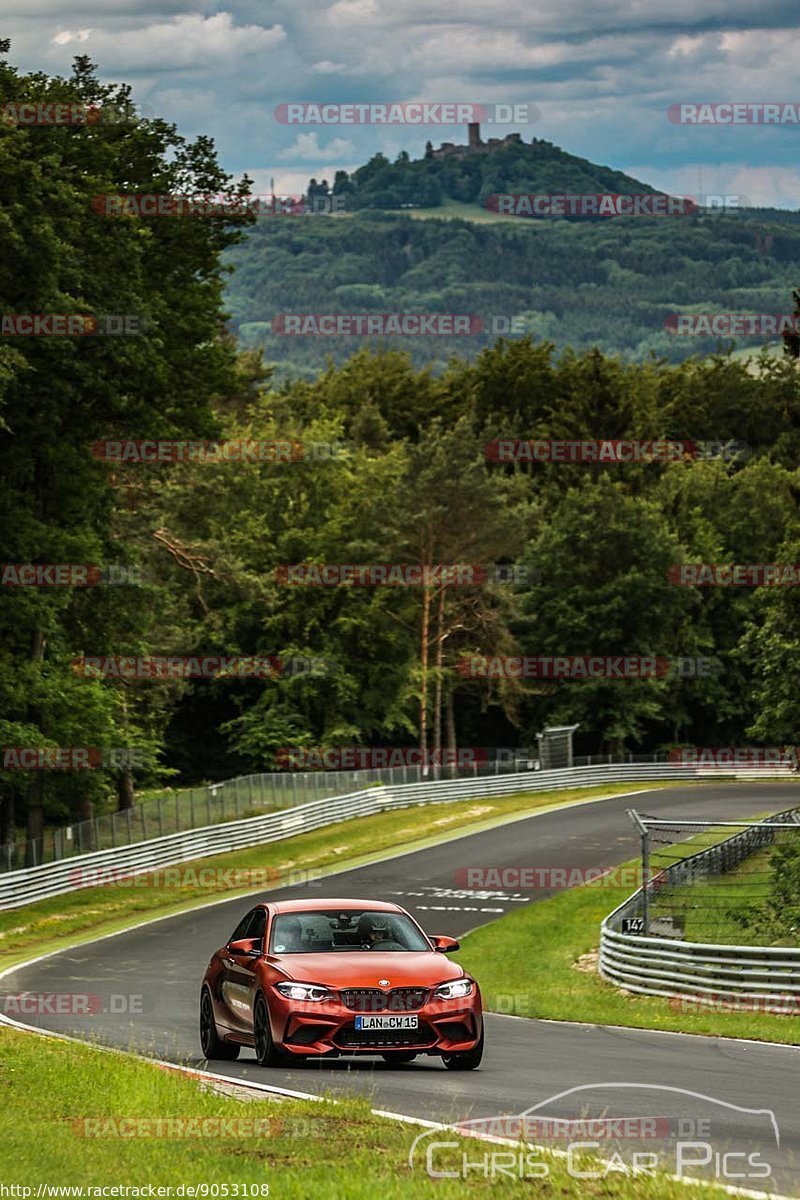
{"x": 730, "y": 883}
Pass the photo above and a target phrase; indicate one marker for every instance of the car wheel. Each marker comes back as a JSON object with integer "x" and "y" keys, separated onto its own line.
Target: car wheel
{"x": 266, "y": 1053}
{"x": 466, "y": 1060}
{"x": 212, "y": 1044}
{"x": 405, "y": 1057}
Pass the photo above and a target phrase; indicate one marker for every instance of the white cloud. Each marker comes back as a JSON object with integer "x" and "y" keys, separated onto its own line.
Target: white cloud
{"x": 757, "y": 187}
{"x": 70, "y": 35}
{"x": 326, "y": 67}
{"x": 185, "y": 41}
{"x": 308, "y": 149}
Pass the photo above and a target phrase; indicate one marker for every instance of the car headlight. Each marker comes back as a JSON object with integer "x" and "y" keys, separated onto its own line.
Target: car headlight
{"x": 454, "y": 990}
{"x": 303, "y": 991}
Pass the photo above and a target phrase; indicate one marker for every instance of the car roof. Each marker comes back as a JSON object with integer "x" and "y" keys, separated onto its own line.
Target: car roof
{"x": 282, "y": 906}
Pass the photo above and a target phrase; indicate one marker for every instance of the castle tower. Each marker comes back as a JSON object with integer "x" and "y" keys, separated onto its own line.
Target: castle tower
{"x": 474, "y": 130}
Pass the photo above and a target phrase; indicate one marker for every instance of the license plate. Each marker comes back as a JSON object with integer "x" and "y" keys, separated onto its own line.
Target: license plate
{"x": 387, "y": 1022}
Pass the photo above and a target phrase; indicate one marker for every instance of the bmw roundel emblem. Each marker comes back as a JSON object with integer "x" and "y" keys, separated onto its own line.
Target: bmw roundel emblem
{"x": 383, "y": 982}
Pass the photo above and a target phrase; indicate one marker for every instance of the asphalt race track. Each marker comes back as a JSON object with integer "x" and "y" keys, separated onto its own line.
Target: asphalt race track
{"x": 526, "y": 1061}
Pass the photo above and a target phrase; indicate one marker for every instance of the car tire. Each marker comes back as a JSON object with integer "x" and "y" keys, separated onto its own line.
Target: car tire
{"x": 404, "y": 1057}
{"x": 267, "y": 1055}
{"x": 466, "y": 1060}
{"x": 210, "y": 1041}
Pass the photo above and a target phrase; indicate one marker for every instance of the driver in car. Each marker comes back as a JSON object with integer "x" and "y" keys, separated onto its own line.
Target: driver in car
{"x": 377, "y": 933}
{"x": 291, "y": 936}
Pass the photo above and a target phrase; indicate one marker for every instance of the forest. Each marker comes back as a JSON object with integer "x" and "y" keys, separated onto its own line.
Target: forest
{"x": 388, "y": 464}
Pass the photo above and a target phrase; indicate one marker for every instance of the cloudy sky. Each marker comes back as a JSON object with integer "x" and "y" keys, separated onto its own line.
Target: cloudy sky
{"x": 601, "y": 73}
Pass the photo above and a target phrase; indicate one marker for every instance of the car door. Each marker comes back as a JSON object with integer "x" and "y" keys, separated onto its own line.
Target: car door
{"x": 240, "y": 974}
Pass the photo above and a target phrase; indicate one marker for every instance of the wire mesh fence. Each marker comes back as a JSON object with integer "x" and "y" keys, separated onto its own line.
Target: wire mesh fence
{"x": 733, "y": 883}
{"x": 246, "y": 796}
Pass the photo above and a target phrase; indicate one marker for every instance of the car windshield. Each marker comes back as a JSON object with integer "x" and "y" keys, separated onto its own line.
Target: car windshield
{"x": 327, "y": 931}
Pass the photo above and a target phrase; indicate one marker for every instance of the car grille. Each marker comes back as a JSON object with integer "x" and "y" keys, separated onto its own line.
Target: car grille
{"x": 349, "y": 1036}
{"x": 373, "y": 1000}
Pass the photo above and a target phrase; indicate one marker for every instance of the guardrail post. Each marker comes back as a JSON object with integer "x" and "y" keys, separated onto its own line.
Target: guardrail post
{"x": 645, "y": 842}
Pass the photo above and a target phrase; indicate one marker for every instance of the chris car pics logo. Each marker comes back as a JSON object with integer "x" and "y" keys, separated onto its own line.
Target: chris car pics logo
{"x": 659, "y": 1128}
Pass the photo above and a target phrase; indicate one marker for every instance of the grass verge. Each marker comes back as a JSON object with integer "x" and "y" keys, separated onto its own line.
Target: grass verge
{"x": 541, "y": 961}
{"x": 297, "y": 1149}
{"x": 65, "y": 920}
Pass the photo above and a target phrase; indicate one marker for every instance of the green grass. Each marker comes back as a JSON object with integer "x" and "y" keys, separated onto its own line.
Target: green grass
{"x": 712, "y": 910}
{"x": 300, "y": 1149}
{"x": 448, "y": 210}
{"x": 541, "y": 961}
{"x": 64, "y": 920}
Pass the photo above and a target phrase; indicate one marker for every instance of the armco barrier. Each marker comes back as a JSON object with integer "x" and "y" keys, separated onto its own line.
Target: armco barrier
{"x": 66, "y": 875}
{"x": 728, "y": 974}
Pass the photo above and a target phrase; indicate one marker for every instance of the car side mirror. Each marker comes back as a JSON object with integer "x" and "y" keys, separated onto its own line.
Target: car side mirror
{"x": 245, "y": 947}
{"x": 443, "y": 944}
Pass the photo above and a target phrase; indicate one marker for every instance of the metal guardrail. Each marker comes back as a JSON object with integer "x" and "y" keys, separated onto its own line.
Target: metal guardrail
{"x": 245, "y": 796}
{"x": 659, "y": 966}
{"x": 56, "y": 878}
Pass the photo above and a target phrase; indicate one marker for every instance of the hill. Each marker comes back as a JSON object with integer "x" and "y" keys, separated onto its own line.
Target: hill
{"x": 470, "y": 173}
{"x": 606, "y": 282}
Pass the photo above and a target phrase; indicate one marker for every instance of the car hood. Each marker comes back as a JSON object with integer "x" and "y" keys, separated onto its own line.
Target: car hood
{"x": 364, "y": 968}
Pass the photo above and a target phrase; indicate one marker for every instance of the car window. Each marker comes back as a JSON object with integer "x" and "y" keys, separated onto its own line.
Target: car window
{"x": 324, "y": 931}
{"x": 241, "y": 929}
{"x": 257, "y": 925}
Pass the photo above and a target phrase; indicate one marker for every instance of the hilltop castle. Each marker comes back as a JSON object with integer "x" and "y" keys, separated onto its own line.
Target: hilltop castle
{"x": 475, "y": 145}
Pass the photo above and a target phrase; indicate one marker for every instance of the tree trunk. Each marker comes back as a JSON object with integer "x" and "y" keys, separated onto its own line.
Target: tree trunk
{"x": 35, "y": 823}
{"x": 7, "y": 818}
{"x": 35, "y": 819}
{"x": 85, "y": 813}
{"x": 423, "y": 693}
{"x": 437, "y": 702}
{"x": 450, "y": 726}
{"x": 125, "y": 789}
